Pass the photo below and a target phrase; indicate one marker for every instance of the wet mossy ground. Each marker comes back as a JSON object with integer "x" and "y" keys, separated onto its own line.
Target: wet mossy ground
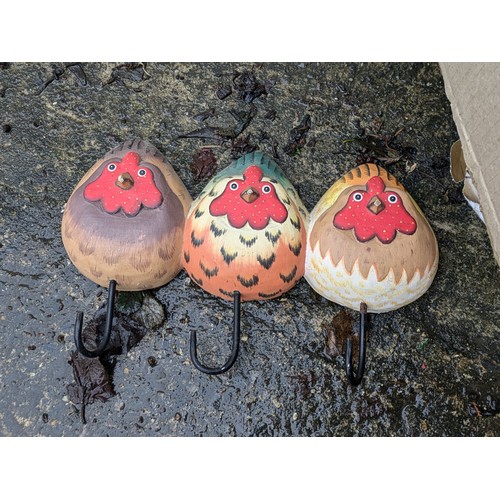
{"x": 432, "y": 366}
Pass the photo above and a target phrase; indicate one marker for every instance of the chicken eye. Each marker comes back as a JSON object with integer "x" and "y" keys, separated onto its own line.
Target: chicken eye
{"x": 233, "y": 186}
{"x": 266, "y": 189}
{"x": 392, "y": 198}
{"x": 141, "y": 173}
{"x": 111, "y": 167}
{"x": 357, "y": 196}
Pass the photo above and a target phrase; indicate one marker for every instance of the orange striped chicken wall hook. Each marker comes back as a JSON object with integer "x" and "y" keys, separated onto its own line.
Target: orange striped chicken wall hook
{"x": 244, "y": 239}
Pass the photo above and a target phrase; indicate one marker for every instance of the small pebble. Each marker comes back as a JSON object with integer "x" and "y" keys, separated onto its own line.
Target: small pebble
{"x": 224, "y": 91}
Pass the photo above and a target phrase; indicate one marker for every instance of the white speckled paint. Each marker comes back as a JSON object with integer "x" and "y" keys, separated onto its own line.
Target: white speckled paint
{"x": 350, "y": 289}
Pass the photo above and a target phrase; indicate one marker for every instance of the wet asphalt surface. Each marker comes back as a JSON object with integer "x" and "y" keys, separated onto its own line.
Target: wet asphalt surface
{"x": 432, "y": 366}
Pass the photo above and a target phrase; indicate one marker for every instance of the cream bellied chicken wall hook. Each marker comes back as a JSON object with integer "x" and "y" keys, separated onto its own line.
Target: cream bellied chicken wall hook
{"x": 122, "y": 226}
{"x": 244, "y": 239}
{"x": 369, "y": 248}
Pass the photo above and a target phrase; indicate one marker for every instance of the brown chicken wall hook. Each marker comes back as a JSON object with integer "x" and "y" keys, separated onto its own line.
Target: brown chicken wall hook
{"x": 122, "y": 226}
{"x": 369, "y": 248}
{"x": 244, "y": 239}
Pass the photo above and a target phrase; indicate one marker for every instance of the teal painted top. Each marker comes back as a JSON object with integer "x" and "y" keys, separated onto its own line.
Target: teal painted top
{"x": 269, "y": 168}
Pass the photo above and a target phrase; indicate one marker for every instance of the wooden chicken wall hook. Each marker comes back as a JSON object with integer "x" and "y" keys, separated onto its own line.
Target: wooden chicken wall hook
{"x": 122, "y": 226}
{"x": 369, "y": 243}
{"x": 244, "y": 238}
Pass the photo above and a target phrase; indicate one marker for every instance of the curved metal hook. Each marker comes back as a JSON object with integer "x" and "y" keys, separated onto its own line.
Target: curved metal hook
{"x": 107, "y": 330}
{"x": 236, "y": 343}
{"x": 355, "y": 376}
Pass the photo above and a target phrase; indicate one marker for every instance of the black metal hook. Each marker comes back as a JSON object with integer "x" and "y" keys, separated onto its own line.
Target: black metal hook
{"x": 355, "y": 376}
{"x": 234, "y": 350}
{"x": 107, "y": 330}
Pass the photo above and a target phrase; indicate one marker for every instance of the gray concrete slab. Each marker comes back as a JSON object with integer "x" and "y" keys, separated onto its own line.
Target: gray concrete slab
{"x": 432, "y": 366}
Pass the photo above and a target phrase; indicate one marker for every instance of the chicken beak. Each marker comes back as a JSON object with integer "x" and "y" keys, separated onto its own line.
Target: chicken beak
{"x": 250, "y": 195}
{"x": 125, "y": 181}
{"x": 375, "y": 205}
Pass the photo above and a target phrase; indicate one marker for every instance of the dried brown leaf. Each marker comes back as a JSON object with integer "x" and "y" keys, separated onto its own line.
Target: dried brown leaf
{"x": 298, "y": 136}
{"x": 218, "y": 134}
{"x": 241, "y": 146}
{"x": 135, "y": 72}
{"x": 211, "y": 133}
{"x": 92, "y": 382}
{"x": 204, "y": 164}
{"x": 338, "y": 332}
{"x": 248, "y": 87}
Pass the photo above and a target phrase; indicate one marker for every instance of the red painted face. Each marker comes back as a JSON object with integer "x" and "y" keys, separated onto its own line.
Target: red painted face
{"x": 375, "y": 212}
{"x": 125, "y": 185}
{"x": 249, "y": 201}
